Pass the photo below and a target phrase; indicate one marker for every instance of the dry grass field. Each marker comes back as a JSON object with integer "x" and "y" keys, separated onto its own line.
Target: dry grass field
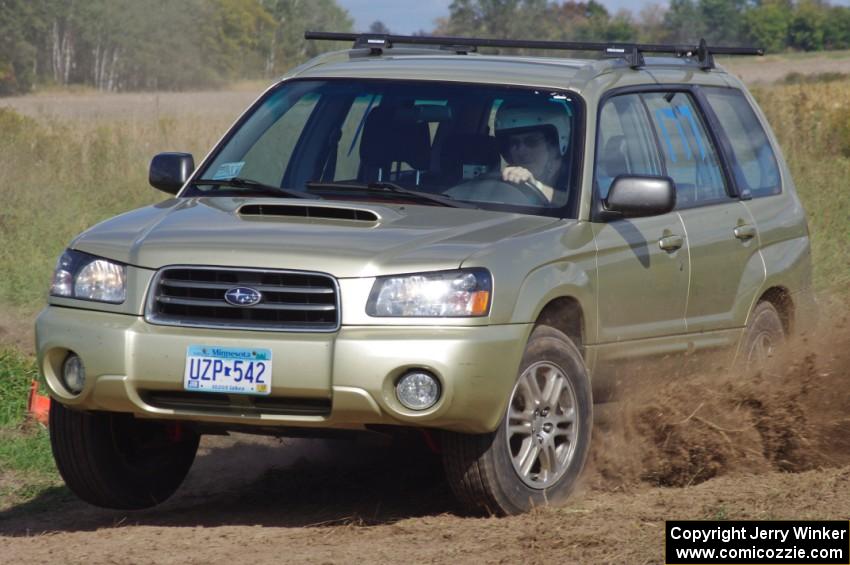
{"x": 775, "y": 68}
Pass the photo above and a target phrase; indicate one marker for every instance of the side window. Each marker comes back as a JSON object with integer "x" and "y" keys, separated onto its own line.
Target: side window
{"x": 690, "y": 157}
{"x": 625, "y": 144}
{"x": 754, "y": 163}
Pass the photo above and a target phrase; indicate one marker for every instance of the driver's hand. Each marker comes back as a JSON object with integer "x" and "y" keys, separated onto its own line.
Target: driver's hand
{"x": 517, "y": 175}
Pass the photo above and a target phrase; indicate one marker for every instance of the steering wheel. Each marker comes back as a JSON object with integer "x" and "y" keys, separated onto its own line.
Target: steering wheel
{"x": 494, "y": 186}
{"x": 531, "y": 192}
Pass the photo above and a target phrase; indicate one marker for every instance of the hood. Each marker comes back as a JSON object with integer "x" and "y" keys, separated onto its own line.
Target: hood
{"x": 344, "y": 239}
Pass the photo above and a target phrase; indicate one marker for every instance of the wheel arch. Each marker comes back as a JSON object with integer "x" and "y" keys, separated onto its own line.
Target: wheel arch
{"x": 781, "y": 299}
{"x": 565, "y": 314}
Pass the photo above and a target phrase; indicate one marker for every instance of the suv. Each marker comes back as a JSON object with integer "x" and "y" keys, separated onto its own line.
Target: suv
{"x": 405, "y": 238}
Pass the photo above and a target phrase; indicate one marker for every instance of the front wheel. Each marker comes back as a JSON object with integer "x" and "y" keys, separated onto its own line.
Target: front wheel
{"x": 535, "y": 456}
{"x": 118, "y": 461}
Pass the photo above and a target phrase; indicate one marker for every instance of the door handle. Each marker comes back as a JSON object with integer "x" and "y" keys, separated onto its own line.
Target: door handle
{"x": 745, "y": 232}
{"x": 671, "y": 242}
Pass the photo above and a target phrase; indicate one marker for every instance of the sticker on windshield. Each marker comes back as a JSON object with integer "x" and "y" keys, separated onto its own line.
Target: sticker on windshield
{"x": 227, "y": 171}
{"x": 473, "y": 171}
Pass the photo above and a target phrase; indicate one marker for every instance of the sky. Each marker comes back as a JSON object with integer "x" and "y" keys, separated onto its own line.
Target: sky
{"x": 407, "y": 16}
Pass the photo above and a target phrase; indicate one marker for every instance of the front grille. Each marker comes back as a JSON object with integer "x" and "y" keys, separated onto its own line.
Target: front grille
{"x": 291, "y": 300}
{"x": 237, "y": 404}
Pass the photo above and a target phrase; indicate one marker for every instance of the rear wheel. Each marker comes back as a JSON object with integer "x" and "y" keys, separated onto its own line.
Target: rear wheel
{"x": 762, "y": 337}
{"x": 537, "y": 453}
{"x": 118, "y": 461}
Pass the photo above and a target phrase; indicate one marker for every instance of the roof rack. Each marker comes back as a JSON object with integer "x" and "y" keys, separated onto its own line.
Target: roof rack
{"x": 631, "y": 52}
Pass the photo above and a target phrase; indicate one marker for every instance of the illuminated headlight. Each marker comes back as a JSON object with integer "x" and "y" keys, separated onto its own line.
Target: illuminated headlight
{"x": 459, "y": 293}
{"x": 83, "y": 276}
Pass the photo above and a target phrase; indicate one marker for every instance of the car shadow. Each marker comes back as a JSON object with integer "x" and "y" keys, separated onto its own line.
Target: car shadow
{"x": 278, "y": 483}
{"x": 635, "y": 239}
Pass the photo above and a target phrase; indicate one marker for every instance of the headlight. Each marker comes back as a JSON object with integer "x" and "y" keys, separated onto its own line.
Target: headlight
{"x": 465, "y": 292}
{"x": 83, "y": 276}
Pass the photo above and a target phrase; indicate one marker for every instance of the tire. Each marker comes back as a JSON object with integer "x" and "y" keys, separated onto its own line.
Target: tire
{"x": 118, "y": 461}
{"x": 489, "y": 473}
{"x": 762, "y": 337}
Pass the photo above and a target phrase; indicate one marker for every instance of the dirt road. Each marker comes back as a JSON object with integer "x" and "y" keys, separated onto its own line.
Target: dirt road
{"x": 278, "y": 515}
{"x": 707, "y": 446}
{"x": 287, "y": 511}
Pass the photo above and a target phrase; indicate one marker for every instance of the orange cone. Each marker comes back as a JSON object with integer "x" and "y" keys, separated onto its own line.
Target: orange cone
{"x": 38, "y": 405}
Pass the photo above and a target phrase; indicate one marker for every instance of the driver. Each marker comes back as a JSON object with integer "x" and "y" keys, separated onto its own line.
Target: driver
{"x": 533, "y": 139}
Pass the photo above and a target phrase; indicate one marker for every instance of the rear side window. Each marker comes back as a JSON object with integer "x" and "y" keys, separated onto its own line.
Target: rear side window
{"x": 689, "y": 154}
{"x": 754, "y": 163}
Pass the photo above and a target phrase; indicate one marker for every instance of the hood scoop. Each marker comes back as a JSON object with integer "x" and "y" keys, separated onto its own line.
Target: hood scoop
{"x": 304, "y": 211}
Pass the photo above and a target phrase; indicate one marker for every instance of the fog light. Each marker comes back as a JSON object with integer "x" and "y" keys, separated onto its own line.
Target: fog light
{"x": 417, "y": 390}
{"x": 74, "y": 374}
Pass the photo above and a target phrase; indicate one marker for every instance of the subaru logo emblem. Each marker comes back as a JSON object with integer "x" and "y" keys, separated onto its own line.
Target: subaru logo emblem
{"x": 242, "y": 296}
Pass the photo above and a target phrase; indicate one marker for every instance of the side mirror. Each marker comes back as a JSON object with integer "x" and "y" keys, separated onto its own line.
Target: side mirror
{"x": 169, "y": 171}
{"x": 639, "y": 196}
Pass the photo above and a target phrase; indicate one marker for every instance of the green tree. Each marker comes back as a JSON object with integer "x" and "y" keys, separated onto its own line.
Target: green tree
{"x": 504, "y": 19}
{"x": 683, "y": 22}
{"x": 721, "y": 21}
{"x": 235, "y": 36}
{"x": 767, "y": 25}
{"x": 21, "y": 27}
{"x": 463, "y": 19}
{"x": 379, "y": 27}
{"x": 536, "y": 19}
{"x": 292, "y": 18}
{"x": 806, "y": 30}
{"x": 837, "y": 28}
{"x": 650, "y": 23}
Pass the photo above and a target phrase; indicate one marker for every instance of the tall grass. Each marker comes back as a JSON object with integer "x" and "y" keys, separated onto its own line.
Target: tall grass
{"x": 812, "y": 122}
{"x": 26, "y": 461}
{"x": 16, "y": 373}
{"x": 58, "y": 178}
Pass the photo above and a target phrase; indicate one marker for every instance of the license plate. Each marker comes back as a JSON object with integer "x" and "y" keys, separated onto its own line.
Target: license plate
{"x": 230, "y": 370}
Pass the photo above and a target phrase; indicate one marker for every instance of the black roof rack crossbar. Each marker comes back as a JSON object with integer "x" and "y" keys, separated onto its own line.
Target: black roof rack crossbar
{"x": 632, "y": 52}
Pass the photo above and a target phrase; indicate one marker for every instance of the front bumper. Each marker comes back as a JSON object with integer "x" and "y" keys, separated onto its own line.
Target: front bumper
{"x": 343, "y": 380}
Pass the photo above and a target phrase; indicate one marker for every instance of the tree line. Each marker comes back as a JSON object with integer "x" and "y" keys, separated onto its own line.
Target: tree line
{"x": 116, "y": 45}
{"x": 776, "y": 25}
{"x": 156, "y": 44}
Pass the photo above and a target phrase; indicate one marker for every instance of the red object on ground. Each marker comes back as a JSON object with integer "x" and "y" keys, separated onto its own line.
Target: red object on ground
{"x": 432, "y": 442}
{"x": 38, "y": 404}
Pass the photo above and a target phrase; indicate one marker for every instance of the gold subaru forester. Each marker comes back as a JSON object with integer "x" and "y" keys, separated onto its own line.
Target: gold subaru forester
{"x": 399, "y": 237}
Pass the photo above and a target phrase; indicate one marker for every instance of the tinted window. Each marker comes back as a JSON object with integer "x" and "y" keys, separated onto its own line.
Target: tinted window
{"x": 625, "y": 143}
{"x": 690, "y": 157}
{"x": 754, "y": 163}
{"x": 493, "y": 146}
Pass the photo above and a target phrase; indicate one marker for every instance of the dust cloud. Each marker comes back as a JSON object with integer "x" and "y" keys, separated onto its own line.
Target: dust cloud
{"x": 791, "y": 416}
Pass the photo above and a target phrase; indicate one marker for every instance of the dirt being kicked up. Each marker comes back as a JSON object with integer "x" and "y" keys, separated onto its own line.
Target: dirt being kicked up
{"x": 712, "y": 445}
{"x": 791, "y": 417}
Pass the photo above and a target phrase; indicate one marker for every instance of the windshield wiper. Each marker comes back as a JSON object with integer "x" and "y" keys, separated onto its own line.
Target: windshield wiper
{"x": 257, "y": 186}
{"x": 391, "y": 187}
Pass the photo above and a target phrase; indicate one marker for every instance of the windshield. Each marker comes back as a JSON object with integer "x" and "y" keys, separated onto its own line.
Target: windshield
{"x": 494, "y": 147}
